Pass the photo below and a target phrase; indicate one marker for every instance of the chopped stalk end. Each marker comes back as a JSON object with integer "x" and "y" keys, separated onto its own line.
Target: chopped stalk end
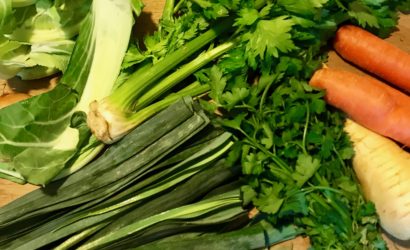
{"x": 109, "y": 123}
{"x": 97, "y": 123}
{"x": 105, "y": 123}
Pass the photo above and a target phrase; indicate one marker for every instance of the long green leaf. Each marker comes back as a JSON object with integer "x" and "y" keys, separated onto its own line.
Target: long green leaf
{"x": 218, "y": 221}
{"x": 257, "y": 236}
{"x": 176, "y": 175}
{"x": 202, "y": 183}
{"x": 205, "y": 180}
{"x": 184, "y": 212}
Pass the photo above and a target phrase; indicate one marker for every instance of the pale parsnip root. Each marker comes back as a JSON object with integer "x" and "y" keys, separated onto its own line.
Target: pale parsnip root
{"x": 383, "y": 170}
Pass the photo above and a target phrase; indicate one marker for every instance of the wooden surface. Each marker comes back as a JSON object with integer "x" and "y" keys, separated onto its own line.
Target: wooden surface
{"x": 146, "y": 23}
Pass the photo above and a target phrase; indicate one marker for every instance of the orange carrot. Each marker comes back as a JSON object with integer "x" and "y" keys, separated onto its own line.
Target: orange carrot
{"x": 368, "y": 101}
{"x": 374, "y": 55}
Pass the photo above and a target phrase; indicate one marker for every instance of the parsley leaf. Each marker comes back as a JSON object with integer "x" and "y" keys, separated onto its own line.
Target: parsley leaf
{"x": 217, "y": 83}
{"x": 362, "y": 13}
{"x": 270, "y": 37}
{"x": 306, "y": 167}
{"x": 247, "y": 16}
{"x": 306, "y": 7}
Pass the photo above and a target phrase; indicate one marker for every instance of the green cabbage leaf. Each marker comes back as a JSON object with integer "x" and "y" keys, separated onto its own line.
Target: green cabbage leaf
{"x": 41, "y": 136}
{"x": 37, "y": 36}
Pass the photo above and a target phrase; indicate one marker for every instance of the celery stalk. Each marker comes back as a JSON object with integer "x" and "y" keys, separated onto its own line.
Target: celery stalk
{"x": 128, "y": 106}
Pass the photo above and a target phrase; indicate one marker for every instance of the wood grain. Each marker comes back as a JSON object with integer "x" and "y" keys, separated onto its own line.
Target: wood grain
{"x": 10, "y": 191}
{"x": 154, "y": 9}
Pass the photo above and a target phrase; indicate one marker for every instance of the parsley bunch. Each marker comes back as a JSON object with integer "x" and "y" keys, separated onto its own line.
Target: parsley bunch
{"x": 295, "y": 156}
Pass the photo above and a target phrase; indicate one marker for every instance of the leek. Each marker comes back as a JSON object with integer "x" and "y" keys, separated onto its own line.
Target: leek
{"x": 260, "y": 235}
{"x": 185, "y": 212}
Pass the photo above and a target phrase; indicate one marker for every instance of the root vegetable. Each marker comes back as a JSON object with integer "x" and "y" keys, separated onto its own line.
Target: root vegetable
{"x": 374, "y": 54}
{"x": 367, "y": 101}
{"x": 383, "y": 169}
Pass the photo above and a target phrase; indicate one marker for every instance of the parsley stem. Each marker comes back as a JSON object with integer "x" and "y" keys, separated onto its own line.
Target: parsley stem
{"x": 259, "y": 4}
{"x": 319, "y": 199}
{"x": 297, "y": 144}
{"x": 314, "y": 188}
{"x": 281, "y": 174}
{"x": 264, "y": 94}
{"x": 339, "y": 157}
{"x": 329, "y": 202}
{"x": 274, "y": 157}
{"x": 306, "y": 128}
{"x": 245, "y": 106}
{"x": 178, "y": 6}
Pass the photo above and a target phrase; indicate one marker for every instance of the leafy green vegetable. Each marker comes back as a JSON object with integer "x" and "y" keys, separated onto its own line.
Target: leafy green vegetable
{"x": 270, "y": 37}
{"x": 148, "y": 190}
{"x": 52, "y": 126}
{"x": 292, "y": 148}
{"x": 36, "y": 37}
{"x": 185, "y": 212}
{"x": 257, "y": 236}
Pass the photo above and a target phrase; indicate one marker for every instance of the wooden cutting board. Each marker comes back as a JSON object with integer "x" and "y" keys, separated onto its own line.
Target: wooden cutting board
{"x": 146, "y": 23}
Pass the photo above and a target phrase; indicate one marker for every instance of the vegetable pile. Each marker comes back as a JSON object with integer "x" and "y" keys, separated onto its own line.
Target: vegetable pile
{"x": 173, "y": 139}
{"x": 378, "y": 128}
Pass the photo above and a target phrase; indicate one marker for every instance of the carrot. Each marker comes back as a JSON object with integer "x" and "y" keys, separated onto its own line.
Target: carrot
{"x": 374, "y": 55}
{"x": 367, "y": 101}
{"x": 382, "y": 169}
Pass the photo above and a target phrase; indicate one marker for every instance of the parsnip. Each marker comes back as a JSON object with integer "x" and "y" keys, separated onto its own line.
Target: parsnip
{"x": 383, "y": 170}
